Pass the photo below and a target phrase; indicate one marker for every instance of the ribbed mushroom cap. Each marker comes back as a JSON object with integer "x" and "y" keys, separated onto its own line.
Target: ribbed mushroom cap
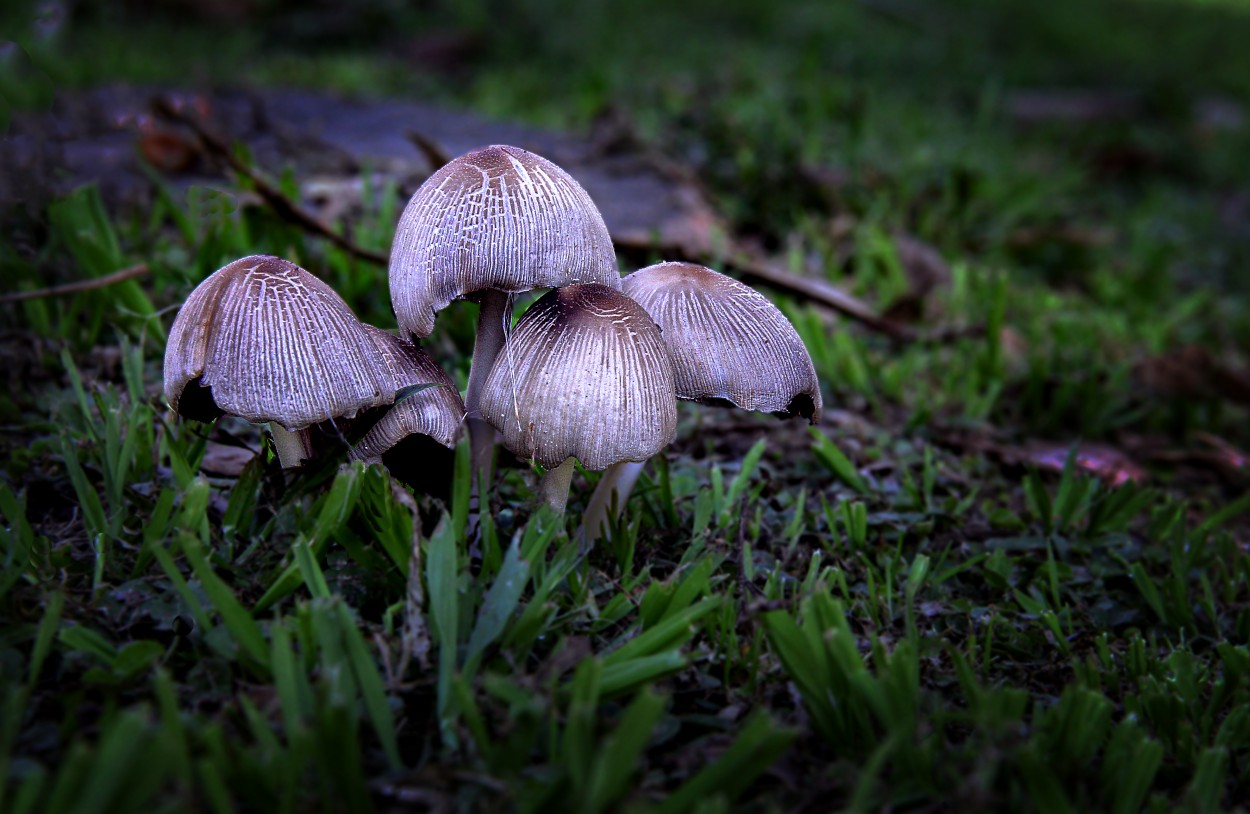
{"x": 264, "y": 340}
{"x": 435, "y": 411}
{"x": 585, "y": 374}
{"x": 498, "y": 218}
{"x": 728, "y": 342}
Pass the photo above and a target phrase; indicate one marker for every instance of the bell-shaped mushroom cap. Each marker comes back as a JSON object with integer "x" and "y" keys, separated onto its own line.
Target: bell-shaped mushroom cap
{"x": 498, "y": 218}
{"x": 264, "y": 340}
{"x": 435, "y": 411}
{"x": 729, "y": 343}
{"x": 584, "y": 374}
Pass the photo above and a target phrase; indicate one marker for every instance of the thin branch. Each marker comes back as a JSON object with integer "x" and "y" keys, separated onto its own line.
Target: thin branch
{"x": 821, "y": 292}
{"x": 78, "y": 286}
{"x": 282, "y": 205}
{"x": 430, "y": 149}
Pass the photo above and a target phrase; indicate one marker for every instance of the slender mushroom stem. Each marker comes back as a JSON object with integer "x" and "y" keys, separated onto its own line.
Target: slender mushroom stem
{"x": 493, "y": 310}
{"x": 292, "y": 446}
{"x": 554, "y": 489}
{"x": 618, "y": 479}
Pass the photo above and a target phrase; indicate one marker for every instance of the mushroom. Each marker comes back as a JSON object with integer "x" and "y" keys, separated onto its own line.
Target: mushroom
{"x": 492, "y": 223}
{"x": 730, "y": 346}
{"x": 264, "y": 340}
{"x": 427, "y": 411}
{"x": 584, "y": 375}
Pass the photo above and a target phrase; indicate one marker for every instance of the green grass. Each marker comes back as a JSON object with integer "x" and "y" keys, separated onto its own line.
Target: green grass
{"x": 894, "y": 609}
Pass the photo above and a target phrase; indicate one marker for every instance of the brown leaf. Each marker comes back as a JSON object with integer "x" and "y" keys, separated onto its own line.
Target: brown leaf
{"x": 225, "y": 461}
{"x": 167, "y": 151}
{"x": 1105, "y": 462}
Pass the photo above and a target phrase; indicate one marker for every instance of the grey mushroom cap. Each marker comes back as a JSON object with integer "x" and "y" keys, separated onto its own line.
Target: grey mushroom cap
{"x": 498, "y": 218}
{"x": 435, "y": 411}
{"x": 729, "y": 343}
{"x": 585, "y": 374}
{"x": 264, "y": 340}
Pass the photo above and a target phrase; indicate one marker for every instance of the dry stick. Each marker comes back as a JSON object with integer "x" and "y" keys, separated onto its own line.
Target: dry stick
{"x": 430, "y": 149}
{"x": 282, "y": 206}
{"x": 78, "y": 286}
{"x": 829, "y": 295}
{"x": 821, "y": 291}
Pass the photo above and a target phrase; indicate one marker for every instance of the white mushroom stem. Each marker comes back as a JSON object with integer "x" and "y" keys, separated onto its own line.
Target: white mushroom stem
{"x": 491, "y": 331}
{"x": 618, "y": 479}
{"x": 554, "y": 489}
{"x": 292, "y": 446}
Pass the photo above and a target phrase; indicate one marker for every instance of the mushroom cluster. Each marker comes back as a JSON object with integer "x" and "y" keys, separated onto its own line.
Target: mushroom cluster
{"x": 592, "y": 372}
{"x": 264, "y": 340}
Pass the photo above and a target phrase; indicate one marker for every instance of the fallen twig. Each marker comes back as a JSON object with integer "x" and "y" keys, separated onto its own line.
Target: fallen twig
{"x": 78, "y": 286}
{"x": 821, "y": 292}
{"x": 432, "y": 151}
{"x": 283, "y": 206}
{"x": 825, "y": 293}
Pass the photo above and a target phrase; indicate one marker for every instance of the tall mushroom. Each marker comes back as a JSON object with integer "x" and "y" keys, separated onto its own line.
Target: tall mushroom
{"x": 492, "y": 223}
{"x": 730, "y": 346}
{"x": 264, "y": 340}
{"x": 584, "y": 375}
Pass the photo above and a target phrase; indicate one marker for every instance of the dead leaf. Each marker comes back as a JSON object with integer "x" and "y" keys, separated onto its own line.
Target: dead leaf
{"x": 1105, "y": 462}
{"x": 225, "y": 461}
{"x": 167, "y": 151}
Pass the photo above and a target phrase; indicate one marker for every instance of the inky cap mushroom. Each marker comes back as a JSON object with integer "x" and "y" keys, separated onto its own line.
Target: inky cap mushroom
{"x": 502, "y": 219}
{"x": 491, "y": 223}
{"x": 585, "y": 375}
{"x": 435, "y": 411}
{"x": 264, "y": 340}
{"x": 729, "y": 343}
